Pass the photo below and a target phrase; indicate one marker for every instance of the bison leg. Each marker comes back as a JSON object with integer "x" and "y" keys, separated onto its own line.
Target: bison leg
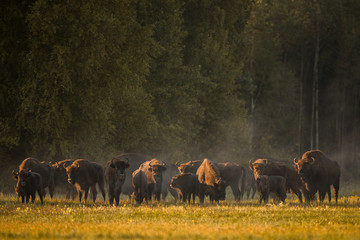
{"x": 94, "y": 192}
{"x": 27, "y": 198}
{"x": 22, "y": 198}
{"x": 33, "y": 197}
{"x": 329, "y": 193}
{"x": 80, "y": 195}
{"x": 336, "y": 187}
{"x": 40, "y": 196}
{"x": 101, "y": 186}
{"x": 236, "y": 191}
{"x": 111, "y": 195}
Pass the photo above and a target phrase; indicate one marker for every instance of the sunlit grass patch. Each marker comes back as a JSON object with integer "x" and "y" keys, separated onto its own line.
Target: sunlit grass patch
{"x": 60, "y": 218}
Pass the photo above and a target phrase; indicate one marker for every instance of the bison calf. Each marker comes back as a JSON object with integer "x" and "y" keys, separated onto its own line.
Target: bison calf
{"x": 186, "y": 184}
{"x": 271, "y": 184}
{"x": 28, "y": 184}
{"x": 139, "y": 183}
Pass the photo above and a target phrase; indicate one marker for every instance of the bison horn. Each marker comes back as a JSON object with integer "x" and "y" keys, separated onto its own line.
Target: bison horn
{"x": 295, "y": 161}
{"x": 150, "y": 164}
{"x": 266, "y": 161}
{"x": 163, "y": 163}
{"x": 178, "y": 163}
{"x": 313, "y": 161}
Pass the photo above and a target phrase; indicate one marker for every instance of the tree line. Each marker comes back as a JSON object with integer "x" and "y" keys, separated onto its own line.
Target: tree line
{"x": 180, "y": 79}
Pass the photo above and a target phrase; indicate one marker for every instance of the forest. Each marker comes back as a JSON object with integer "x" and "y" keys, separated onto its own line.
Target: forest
{"x": 180, "y": 80}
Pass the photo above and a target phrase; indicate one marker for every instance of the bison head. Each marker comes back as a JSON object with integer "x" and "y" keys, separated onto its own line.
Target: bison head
{"x": 157, "y": 168}
{"x": 120, "y": 166}
{"x": 258, "y": 167}
{"x": 304, "y": 168}
{"x": 262, "y": 183}
{"x": 23, "y": 177}
{"x": 174, "y": 182}
{"x": 220, "y": 187}
{"x": 15, "y": 175}
{"x": 72, "y": 172}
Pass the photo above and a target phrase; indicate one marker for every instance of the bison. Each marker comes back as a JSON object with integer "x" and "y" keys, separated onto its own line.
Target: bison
{"x": 139, "y": 184}
{"x": 153, "y": 170}
{"x": 210, "y": 182}
{"x": 231, "y": 174}
{"x": 170, "y": 171}
{"x": 84, "y": 175}
{"x": 61, "y": 178}
{"x": 134, "y": 160}
{"x": 249, "y": 184}
{"x": 115, "y": 177}
{"x": 271, "y": 184}
{"x": 273, "y": 167}
{"x": 318, "y": 173}
{"x": 186, "y": 184}
{"x": 28, "y": 184}
{"x": 45, "y": 170}
{"x": 190, "y": 167}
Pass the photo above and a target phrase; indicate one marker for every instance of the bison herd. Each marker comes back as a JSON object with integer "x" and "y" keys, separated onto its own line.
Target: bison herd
{"x": 143, "y": 179}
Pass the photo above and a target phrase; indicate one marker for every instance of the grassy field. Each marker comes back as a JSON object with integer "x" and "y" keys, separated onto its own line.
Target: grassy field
{"x": 227, "y": 220}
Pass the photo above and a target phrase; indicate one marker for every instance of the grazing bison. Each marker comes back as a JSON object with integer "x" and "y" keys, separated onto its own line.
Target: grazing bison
{"x": 249, "y": 184}
{"x": 190, "y": 167}
{"x": 186, "y": 184}
{"x": 139, "y": 184}
{"x": 115, "y": 178}
{"x": 271, "y": 184}
{"x": 61, "y": 178}
{"x": 170, "y": 171}
{"x": 210, "y": 182}
{"x": 28, "y": 184}
{"x": 134, "y": 160}
{"x": 45, "y": 170}
{"x": 153, "y": 170}
{"x": 272, "y": 167}
{"x": 318, "y": 173}
{"x": 231, "y": 174}
{"x": 84, "y": 175}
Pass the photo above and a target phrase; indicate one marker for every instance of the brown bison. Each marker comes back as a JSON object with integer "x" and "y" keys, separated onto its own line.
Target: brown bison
{"x": 134, "y": 160}
{"x": 115, "y": 178}
{"x": 28, "y": 184}
{"x": 84, "y": 175}
{"x": 273, "y": 167}
{"x": 61, "y": 178}
{"x": 139, "y": 184}
{"x": 186, "y": 184}
{"x": 271, "y": 184}
{"x": 190, "y": 167}
{"x": 45, "y": 170}
{"x": 231, "y": 174}
{"x": 170, "y": 171}
{"x": 249, "y": 184}
{"x": 318, "y": 173}
{"x": 153, "y": 170}
{"x": 210, "y": 182}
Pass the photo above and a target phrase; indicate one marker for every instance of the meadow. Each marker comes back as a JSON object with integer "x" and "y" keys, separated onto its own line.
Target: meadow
{"x": 64, "y": 219}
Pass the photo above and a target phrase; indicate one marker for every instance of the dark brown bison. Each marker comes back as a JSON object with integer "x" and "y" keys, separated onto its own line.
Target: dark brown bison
{"x": 45, "y": 170}
{"x": 231, "y": 174}
{"x": 190, "y": 167}
{"x": 271, "y": 184}
{"x": 210, "y": 182}
{"x": 84, "y": 175}
{"x": 28, "y": 184}
{"x": 61, "y": 178}
{"x": 318, "y": 173}
{"x": 139, "y": 184}
{"x": 170, "y": 171}
{"x": 186, "y": 184}
{"x": 272, "y": 167}
{"x": 115, "y": 178}
{"x": 134, "y": 160}
{"x": 153, "y": 170}
{"x": 249, "y": 184}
